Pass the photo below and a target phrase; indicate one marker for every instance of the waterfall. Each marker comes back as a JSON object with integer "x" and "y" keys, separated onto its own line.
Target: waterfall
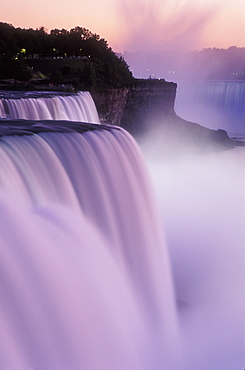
{"x": 213, "y": 104}
{"x": 85, "y": 274}
{"x": 229, "y": 95}
{"x": 36, "y": 106}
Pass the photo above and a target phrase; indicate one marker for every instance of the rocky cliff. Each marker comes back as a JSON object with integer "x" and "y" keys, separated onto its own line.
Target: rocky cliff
{"x": 125, "y": 107}
{"x": 147, "y": 108}
{"x": 110, "y": 104}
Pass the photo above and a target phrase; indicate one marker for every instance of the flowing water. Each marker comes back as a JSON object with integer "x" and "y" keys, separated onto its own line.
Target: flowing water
{"x": 48, "y": 106}
{"x": 85, "y": 274}
{"x": 213, "y": 104}
{"x": 86, "y": 280}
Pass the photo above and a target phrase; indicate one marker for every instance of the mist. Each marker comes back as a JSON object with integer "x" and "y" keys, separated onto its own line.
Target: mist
{"x": 180, "y": 65}
{"x": 165, "y": 25}
{"x": 200, "y": 196}
{"x": 201, "y": 200}
{"x": 162, "y": 39}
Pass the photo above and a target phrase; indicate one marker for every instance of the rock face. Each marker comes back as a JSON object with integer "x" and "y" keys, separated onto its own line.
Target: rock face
{"x": 129, "y": 107}
{"x": 147, "y": 108}
{"x": 149, "y": 102}
{"x": 110, "y": 104}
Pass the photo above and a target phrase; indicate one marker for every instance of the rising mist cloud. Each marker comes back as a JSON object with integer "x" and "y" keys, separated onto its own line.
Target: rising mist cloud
{"x": 159, "y": 36}
{"x": 167, "y": 24}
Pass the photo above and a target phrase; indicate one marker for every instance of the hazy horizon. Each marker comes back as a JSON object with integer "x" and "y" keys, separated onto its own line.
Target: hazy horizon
{"x": 141, "y": 25}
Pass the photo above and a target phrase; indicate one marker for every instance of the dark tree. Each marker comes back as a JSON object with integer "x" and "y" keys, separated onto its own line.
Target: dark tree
{"x": 99, "y": 65}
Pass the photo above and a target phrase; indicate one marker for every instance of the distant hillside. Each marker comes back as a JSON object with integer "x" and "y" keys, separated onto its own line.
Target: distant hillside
{"x": 174, "y": 65}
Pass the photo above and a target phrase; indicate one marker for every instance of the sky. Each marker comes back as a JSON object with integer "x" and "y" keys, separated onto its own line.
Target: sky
{"x": 139, "y": 24}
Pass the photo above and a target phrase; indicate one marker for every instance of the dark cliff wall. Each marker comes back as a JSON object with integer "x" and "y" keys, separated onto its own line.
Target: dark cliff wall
{"x": 148, "y": 108}
{"x": 148, "y": 103}
{"x": 137, "y": 105}
{"x": 110, "y": 104}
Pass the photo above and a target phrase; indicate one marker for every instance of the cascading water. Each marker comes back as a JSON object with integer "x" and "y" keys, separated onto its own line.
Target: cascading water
{"x": 36, "y": 106}
{"x": 85, "y": 276}
{"x": 213, "y": 104}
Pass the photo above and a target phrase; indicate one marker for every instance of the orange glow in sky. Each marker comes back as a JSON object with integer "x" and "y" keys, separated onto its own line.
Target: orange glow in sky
{"x": 139, "y": 24}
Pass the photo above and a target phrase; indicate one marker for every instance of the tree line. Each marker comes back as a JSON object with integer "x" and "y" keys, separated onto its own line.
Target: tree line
{"x": 99, "y": 64}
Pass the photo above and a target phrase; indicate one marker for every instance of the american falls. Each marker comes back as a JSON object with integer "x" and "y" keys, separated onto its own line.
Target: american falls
{"x": 86, "y": 281}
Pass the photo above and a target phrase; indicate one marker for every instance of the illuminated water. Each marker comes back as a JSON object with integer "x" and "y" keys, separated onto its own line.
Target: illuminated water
{"x": 213, "y": 104}
{"x": 48, "y": 106}
{"x": 85, "y": 275}
{"x": 86, "y": 281}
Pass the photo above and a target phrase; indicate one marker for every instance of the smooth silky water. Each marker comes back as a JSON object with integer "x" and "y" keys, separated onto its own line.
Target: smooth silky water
{"x": 48, "y": 106}
{"x": 86, "y": 281}
{"x": 213, "y": 104}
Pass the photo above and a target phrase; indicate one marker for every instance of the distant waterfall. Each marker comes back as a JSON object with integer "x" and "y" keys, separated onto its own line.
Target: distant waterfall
{"x": 228, "y": 95}
{"x": 39, "y": 106}
{"x": 85, "y": 275}
{"x": 214, "y": 104}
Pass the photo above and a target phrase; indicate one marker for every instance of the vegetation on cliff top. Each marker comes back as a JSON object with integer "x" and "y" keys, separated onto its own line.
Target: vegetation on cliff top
{"x": 77, "y": 56}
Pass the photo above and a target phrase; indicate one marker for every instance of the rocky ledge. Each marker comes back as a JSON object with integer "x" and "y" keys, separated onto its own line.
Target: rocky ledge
{"x": 147, "y": 108}
{"x": 126, "y": 107}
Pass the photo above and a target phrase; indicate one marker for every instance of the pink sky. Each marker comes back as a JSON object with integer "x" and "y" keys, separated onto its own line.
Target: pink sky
{"x": 138, "y": 24}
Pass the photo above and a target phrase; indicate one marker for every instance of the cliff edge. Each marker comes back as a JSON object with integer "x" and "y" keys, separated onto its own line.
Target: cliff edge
{"x": 146, "y": 109}
{"x": 130, "y": 106}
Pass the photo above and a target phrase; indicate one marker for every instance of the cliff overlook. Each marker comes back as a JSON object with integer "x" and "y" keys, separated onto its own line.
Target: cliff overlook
{"x": 146, "y": 110}
{"x": 35, "y": 60}
{"x": 141, "y": 101}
